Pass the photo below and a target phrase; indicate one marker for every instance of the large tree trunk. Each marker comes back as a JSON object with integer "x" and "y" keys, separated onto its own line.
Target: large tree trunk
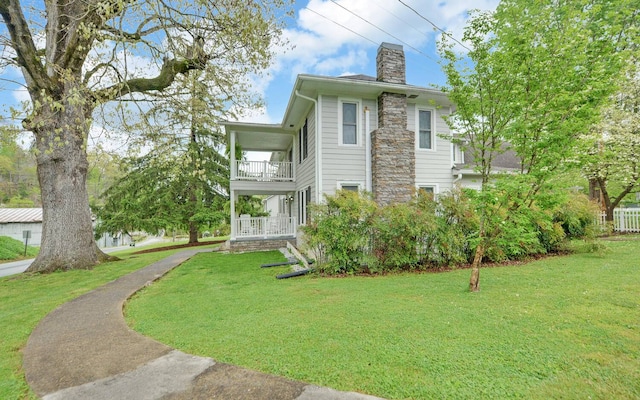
{"x": 193, "y": 232}
{"x": 67, "y": 231}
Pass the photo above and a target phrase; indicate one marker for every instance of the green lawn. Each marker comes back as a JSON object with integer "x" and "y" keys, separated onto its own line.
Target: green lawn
{"x": 26, "y": 299}
{"x": 564, "y": 327}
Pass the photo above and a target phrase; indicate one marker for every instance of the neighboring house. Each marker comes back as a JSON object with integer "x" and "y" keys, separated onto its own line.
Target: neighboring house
{"x": 14, "y": 222}
{"x": 354, "y": 132}
{"x": 465, "y": 167}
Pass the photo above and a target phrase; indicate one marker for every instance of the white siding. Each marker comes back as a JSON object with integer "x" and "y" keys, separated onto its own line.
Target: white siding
{"x": 343, "y": 163}
{"x": 305, "y": 171}
{"x": 433, "y": 167}
{"x": 471, "y": 182}
{"x": 14, "y": 230}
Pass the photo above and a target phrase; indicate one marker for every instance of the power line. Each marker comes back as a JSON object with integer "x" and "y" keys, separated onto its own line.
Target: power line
{"x": 425, "y": 34}
{"x": 382, "y": 30}
{"x": 339, "y": 24}
{"x": 432, "y": 24}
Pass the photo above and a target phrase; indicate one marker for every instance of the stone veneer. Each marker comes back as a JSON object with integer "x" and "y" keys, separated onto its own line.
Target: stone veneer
{"x": 392, "y": 145}
{"x": 390, "y": 64}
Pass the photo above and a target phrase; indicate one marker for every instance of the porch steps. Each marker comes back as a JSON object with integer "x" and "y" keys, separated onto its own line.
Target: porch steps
{"x": 292, "y": 254}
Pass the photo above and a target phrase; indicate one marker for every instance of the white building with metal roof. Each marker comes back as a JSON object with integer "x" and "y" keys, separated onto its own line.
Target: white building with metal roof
{"x": 14, "y": 222}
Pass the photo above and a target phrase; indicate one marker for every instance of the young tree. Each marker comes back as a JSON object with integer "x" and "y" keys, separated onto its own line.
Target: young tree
{"x": 482, "y": 114}
{"x": 540, "y": 71}
{"x": 611, "y": 155}
{"x": 85, "y": 56}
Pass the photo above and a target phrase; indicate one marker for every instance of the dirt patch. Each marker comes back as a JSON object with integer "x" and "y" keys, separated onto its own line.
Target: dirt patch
{"x": 179, "y": 246}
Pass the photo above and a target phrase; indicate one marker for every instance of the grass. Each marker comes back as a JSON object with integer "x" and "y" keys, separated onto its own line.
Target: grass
{"x": 26, "y": 298}
{"x": 12, "y": 249}
{"x": 564, "y": 327}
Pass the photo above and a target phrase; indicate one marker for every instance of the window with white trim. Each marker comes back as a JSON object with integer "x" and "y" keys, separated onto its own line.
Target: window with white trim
{"x": 351, "y": 186}
{"x": 303, "y": 140}
{"x": 425, "y": 129}
{"x": 349, "y": 122}
{"x": 304, "y": 198}
{"x": 428, "y": 189}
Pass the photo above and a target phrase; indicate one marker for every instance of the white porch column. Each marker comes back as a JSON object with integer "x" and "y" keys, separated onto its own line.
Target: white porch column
{"x": 232, "y": 220}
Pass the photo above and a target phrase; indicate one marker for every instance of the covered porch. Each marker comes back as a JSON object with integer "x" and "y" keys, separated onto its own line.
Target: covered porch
{"x": 265, "y": 169}
{"x": 282, "y": 223}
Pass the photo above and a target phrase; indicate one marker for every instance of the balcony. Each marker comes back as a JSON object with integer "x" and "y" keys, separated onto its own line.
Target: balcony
{"x": 264, "y": 171}
{"x": 247, "y": 227}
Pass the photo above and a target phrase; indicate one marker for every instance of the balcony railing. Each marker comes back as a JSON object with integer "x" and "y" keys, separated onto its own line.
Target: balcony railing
{"x": 264, "y": 227}
{"x": 281, "y": 171}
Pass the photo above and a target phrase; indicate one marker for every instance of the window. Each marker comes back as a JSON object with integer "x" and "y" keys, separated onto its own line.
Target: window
{"x": 351, "y": 186}
{"x": 349, "y": 123}
{"x": 425, "y": 134}
{"x": 304, "y": 198}
{"x": 429, "y": 189}
{"x": 303, "y": 140}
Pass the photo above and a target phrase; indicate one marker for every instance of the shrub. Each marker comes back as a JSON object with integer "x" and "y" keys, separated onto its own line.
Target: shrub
{"x": 350, "y": 232}
{"x": 339, "y": 231}
{"x": 577, "y": 217}
{"x": 401, "y": 232}
{"x": 456, "y": 221}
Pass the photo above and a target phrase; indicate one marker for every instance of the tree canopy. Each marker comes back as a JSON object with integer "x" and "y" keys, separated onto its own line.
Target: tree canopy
{"x": 77, "y": 57}
{"x": 534, "y": 80}
{"x": 611, "y": 149}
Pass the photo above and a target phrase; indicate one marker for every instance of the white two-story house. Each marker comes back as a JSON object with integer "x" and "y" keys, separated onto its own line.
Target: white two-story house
{"x": 352, "y": 132}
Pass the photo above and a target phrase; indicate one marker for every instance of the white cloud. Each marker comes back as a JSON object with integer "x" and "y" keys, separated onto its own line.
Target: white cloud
{"x": 320, "y": 43}
{"x": 324, "y": 48}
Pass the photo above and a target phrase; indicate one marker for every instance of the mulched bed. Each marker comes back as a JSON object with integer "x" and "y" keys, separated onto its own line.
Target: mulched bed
{"x": 179, "y": 246}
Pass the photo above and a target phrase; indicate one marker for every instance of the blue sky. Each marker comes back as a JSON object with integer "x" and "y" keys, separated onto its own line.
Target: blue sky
{"x": 321, "y": 46}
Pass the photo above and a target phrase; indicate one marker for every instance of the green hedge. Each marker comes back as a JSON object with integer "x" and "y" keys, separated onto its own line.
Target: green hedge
{"x": 350, "y": 233}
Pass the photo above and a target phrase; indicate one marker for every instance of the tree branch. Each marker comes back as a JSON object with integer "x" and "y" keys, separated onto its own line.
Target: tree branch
{"x": 22, "y": 42}
{"x": 170, "y": 69}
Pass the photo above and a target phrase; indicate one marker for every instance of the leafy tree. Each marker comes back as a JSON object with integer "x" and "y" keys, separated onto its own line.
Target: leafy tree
{"x": 611, "y": 156}
{"x": 103, "y": 172}
{"x": 18, "y": 181}
{"x": 182, "y": 182}
{"x": 539, "y": 72}
{"x": 87, "y": 59}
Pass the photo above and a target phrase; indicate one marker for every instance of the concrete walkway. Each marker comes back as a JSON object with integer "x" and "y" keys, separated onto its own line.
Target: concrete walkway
{"x": 85, "y": 350}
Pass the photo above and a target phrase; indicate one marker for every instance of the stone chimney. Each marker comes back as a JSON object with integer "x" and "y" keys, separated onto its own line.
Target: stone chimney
{"x": 392, "y": 145}
{"x": 390, "y": 65}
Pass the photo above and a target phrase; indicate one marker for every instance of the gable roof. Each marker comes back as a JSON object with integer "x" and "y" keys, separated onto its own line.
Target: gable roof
{"x": 20, "y": 215}
{"x": 361, "y": 86}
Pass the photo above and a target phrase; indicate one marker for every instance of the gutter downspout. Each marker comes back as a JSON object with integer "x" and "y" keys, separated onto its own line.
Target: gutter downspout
{"x": 367, "y": 155}
{"x": 318, "y": 145}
